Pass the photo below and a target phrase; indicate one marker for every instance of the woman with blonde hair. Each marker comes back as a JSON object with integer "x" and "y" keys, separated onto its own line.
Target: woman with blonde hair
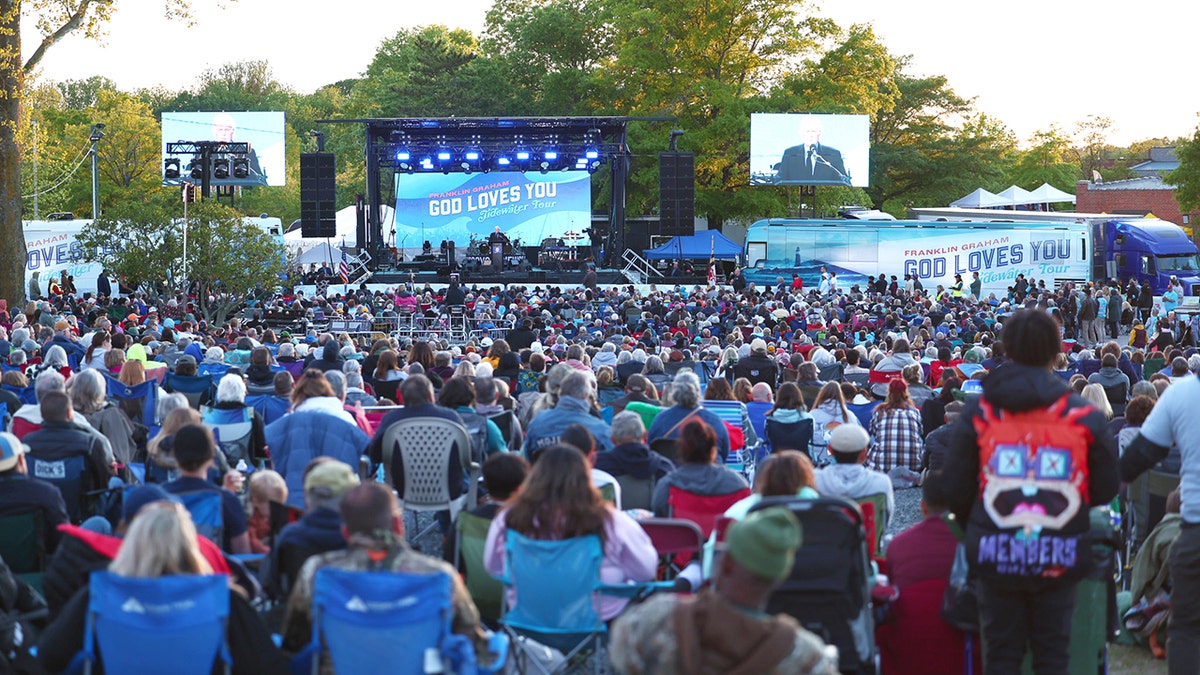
{"x": 829, "y": 410}
{"x": 1094, "y": 393}
{"x": 313, "y": 393}
{"x": 742, "y": 390}
{"x": 162, "y": 542}
{"x": 160, "y": 463}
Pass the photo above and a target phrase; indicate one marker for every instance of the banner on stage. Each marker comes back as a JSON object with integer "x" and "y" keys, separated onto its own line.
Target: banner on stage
{"x": 460, "y": 206}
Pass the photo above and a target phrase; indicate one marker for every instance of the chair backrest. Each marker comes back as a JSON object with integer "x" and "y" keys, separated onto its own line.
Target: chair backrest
{"x": 260, "y": 389}
{"x": 1115, "y": 393}
{"x": 364, "y": 619}
{"x": 214, "y": 370}
{"x": 561, "y": 601}
{"x": 193, "y": 387}
{"x": 386, "y": 389}
{"x": 831, "y": 373}
{"x": 232, "y": 428}
{"x": 636, "y": 493}
{"x": 504, "y": 422}
{"x": 675, "y": 538}
{"x": 790, "y": 435}
{"x": 205, "y": 508}
{"x": 859, "y": 380}
{"x": 703, "y": 510}
{"x": 23, "y": 546}
{"x": 608, "y": 493}
{"x": 70, "y": 475}
{"x": 485, "y": 590}
{"x": 730, "y": 412}
{"x": 296, "y": 368}
{"x": 810, "y": 393}
{"x": 425, "y": 445}
{"x": 167, "y": 624}
{"x": 146, "y": 394}
{"x": 269, "y": 407}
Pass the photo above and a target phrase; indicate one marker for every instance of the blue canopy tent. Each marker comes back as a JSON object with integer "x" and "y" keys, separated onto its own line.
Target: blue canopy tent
{"x": 696, "y": 247}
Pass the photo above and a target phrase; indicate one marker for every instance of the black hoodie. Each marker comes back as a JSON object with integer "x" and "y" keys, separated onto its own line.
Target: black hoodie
{"x": 1019, "y": 388}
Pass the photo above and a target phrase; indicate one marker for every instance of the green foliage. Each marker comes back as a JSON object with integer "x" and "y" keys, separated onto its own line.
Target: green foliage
{"x": 1186, "y": 178}
{"x": 140, "y": 241}
{"x": 1051, "y": 159}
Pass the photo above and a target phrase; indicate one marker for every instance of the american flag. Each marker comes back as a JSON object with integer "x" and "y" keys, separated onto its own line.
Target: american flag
{"x": 344, "y": 269}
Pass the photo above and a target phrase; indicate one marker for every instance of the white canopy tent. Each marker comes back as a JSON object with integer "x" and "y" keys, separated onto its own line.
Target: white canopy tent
{"x": 1048, "y": 194}
{"x": 979, "y": 199}
{"x": 1015, "y": 196}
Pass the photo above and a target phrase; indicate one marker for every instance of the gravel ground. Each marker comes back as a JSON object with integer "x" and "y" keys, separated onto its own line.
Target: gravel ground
{"x": 907, "y": 511}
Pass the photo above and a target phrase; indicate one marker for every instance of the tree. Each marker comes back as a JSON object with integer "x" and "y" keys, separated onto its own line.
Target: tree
{"x": 142, "y": 242}
{"x": 55, "y": 19}
{"x": 1050, "y": 159}
{"x": 1093, "y": 143}
{"x": 1186, "y": 178}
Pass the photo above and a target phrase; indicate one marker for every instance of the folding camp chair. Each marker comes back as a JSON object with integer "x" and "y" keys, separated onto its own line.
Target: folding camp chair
{"x": 701, "y": 509}
{"x": 197, "y": 389}
{"x": 205, "y": 508}
{"x": 269, "y": 406}
{"x": 145, "y": 625}
{"x": 558, "y": 609}
{"x": 23, "y": 546}
{"x": 875, "y": 520}
{"x": 676, "y": 541}
{"x": 365, "y": 619}
{"x": 636, "y": 493}
{"x": 143, "y": 396}
{"x": 470, "y": 537}
{"x": 232, "y": 428}
{"x": 73, "y": 478}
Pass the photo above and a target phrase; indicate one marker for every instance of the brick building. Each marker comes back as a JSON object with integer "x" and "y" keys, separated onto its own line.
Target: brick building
{"x": 1135, "y": 196}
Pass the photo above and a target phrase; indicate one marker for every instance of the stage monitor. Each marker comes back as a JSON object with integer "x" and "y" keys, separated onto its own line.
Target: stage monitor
{"x": 810, "y": 149}
{"x": 264, "y": 131}
{"x": 466, "y": 207}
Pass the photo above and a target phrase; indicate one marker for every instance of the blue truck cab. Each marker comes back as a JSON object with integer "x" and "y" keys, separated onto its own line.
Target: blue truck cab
{"x": 1149, "y": 250}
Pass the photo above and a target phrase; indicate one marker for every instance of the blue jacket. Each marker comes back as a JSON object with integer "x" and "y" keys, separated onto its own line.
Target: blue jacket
{"x": 296, "y": 438}
{"x": 667, "y": 425}
{"x": 546, "y": 429}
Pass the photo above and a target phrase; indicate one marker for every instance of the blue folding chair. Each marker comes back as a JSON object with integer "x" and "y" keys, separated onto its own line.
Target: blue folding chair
{"x": 364, "y": 619}
{"x": 26, "y": 396}
{"x": 205, "y": 508}
{"x": 269, "y": 407}
{"x": 197, "y": 389}
{"x": 558, "y": 607}
{"x": 146, "y": 394}
{"x": 214, "y": 370}
{"x": 170, "y": 624}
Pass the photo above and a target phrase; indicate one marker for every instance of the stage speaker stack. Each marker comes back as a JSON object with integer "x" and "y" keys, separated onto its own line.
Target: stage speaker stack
{"x": 677, "y": 193}
{"x": 318, "y": 195}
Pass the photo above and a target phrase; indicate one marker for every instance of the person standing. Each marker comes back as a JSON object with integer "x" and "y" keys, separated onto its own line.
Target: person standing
{"x": 1173, "y": 423}
{"x": 976, "y": 285}
{"x": 1026, "y": 460}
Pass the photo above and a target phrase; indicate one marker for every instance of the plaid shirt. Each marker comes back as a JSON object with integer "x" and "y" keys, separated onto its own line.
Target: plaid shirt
{"x": 895, "y": 439}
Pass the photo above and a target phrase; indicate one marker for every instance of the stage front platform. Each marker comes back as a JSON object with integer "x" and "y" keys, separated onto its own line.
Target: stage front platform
{"x": 533, "y": 277}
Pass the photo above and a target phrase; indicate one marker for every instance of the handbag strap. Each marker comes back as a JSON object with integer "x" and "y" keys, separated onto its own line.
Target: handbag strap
{"x": 680, "y": 423}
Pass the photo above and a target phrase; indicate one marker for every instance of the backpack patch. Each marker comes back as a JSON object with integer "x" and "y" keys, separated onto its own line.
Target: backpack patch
{"x": 1033, "y": 483}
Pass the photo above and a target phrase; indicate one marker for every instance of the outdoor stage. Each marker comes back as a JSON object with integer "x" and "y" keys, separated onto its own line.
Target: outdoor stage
{"x": 486, "y": 277}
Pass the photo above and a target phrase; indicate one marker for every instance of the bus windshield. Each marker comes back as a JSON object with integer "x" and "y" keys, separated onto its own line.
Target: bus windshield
{"x": 1178, "y": 263}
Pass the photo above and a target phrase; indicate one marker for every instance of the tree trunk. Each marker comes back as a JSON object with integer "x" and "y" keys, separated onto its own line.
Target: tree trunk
{"x": 13, "y": 257}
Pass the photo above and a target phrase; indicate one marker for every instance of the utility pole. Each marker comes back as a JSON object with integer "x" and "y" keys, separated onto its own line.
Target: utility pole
{"x": 35, "y": 170}
{"x": 96, "y": 135}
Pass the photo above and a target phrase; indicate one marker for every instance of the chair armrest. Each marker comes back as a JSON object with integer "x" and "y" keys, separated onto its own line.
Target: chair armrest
{"x": 498, "y": 646}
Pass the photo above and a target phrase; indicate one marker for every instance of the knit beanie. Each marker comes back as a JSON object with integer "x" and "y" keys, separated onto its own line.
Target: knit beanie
{"x": 765, "y": 542}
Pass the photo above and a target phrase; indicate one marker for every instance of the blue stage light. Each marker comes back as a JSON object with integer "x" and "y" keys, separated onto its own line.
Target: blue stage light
{"x": 523, "y": 155}
{"x": 581, "y": 163}
{"x": 551, "y": 155}
{"x": 592, "y": 154}
{"x": 503, "y": 161}
{"x": 443, "y": 156}
{"x": 403, "y": 156}
{"x": 472, "y": 155}
{"x": 427, "y": 163}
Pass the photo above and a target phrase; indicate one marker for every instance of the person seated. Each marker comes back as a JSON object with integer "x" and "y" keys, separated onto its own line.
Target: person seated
{"x": 20, "y": 493}
{"x": 847, "y": 477}
{"x": 725, "y": 628}
{"x": 630, "y": 456}
{"x": 162, "y": 541}
{"x": 578, "y": 436}
{"x": 917, "y": 640}
{"x": 503, "y": 475}
{"x": 373, "y": 525}
{"x": 194, "y": 451}
{"x": 318, "y": 531}
{"x": 937, "y": 443}
{"x": 1151, "y": 580}
{"x": 699, "y": 472}
{"x": 685, "y": 394}
{"x": 559, "y": 484}
{"x": 780, "y": 428}
{"x": 763, "y": 399}
{"x": 266, "y": 486}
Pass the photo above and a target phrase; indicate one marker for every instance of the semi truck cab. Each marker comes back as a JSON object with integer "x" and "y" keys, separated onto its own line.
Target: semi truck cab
{"x": 1153, "y": 251}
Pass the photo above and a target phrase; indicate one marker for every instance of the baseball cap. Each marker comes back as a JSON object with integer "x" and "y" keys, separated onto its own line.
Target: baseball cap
{"x": 138, "y": 497}
{"x": 11, "y": 449}
{"x": 848, "y": 438}
{"x": 758, "y": 345}
{"x": 186, "y": 358}
{"x": 331, "y": 478}
{"x": 765, "y": 542}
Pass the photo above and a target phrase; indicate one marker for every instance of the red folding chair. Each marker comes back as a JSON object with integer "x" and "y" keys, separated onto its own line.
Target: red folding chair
{"x": 868, "y": 513}
{"x": 674, "y": 539}
{"x": 703, "y": 510}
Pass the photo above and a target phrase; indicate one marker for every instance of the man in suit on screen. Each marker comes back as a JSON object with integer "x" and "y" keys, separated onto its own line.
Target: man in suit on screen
{"x": 812, "y": 161}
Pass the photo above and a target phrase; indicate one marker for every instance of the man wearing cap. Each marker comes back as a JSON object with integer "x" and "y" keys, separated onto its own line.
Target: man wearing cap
{"x": 19, "y": 493}
{"x": 726, "y": 629}
{"x": 758, "y": 367}
{"x": 373, "y": 526}
{"x": 65, "y": 339}
{"x": 319, "y": 530}
{"x": 847, "y": 477}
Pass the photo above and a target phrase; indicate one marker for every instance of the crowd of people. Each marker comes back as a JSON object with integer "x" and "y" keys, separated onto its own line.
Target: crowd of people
{"x": 735, "y": 392}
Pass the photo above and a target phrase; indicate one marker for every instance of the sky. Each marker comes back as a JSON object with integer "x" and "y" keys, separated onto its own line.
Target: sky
{"x": 1028, "y": 63}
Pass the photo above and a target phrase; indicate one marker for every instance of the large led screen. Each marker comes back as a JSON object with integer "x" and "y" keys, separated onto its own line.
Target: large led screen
{"x": 810, "y": 149}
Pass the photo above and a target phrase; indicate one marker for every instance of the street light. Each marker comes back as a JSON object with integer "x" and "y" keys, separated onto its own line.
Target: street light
{"x": 96, "y": 134}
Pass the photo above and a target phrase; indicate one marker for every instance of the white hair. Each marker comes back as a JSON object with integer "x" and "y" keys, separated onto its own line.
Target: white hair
{"x": 231, "y": 389}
